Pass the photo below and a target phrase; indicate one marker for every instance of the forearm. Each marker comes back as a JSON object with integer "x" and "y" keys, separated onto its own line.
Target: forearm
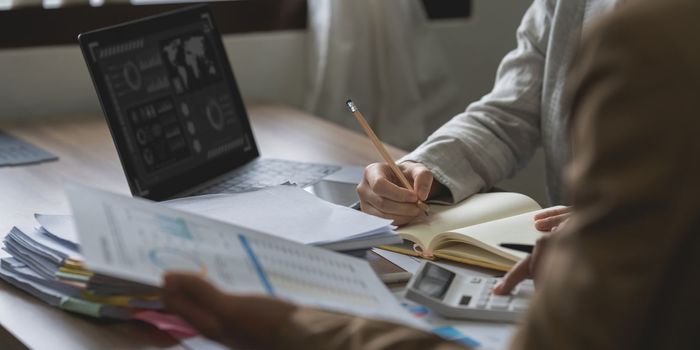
{"x": 310, "y": 328}
{"x": 498, "y": 134}
{"x": 478, "y": 148}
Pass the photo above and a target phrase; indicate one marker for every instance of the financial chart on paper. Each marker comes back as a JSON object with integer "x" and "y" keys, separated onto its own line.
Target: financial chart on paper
{"x": 146, "y": 243}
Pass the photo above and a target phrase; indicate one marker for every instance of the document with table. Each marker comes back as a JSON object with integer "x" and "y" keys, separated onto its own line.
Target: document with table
{"x": 139, "y": 240}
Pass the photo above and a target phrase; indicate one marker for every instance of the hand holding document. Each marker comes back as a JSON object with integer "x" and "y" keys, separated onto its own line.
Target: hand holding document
{"x": 139, "y": 240}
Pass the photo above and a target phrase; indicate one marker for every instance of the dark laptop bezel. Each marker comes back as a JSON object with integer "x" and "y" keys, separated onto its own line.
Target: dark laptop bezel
{"x": 168, "y": 188}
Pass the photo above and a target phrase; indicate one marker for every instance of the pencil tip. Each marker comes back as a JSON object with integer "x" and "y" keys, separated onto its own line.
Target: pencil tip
{"x": 351, "y": 106}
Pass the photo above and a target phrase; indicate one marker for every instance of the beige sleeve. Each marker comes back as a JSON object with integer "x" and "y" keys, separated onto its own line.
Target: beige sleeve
{"x": 315, "y": 329}
{"x": 634, "y": 190}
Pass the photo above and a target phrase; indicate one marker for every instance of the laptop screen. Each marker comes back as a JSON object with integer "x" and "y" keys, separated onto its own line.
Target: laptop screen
{"x": 170, "y": 99}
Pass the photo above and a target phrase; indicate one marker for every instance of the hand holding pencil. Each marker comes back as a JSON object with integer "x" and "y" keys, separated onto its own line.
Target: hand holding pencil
{"x": 398, "y": 200}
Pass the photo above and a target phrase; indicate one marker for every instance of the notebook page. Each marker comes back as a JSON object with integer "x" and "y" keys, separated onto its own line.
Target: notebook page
{"x": 515, "y": 229}
{"x": 479, "y": 208}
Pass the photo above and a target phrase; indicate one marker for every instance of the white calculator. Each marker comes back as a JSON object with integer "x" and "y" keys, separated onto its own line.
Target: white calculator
{"x": 458, "y": 295}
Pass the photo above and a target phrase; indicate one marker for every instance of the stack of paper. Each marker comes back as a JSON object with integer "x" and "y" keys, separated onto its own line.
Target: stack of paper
{"x": 294, "y": 214}
{"x": 139, "y": 240}
{"x": 46, "y": 263}
{"x": 125, "y": 245}
{"x": 284, "y": 211}
{"x": 51, "y": 269}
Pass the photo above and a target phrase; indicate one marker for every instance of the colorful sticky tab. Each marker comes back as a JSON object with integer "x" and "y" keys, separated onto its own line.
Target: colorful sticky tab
{"x": 173, "y": 325}
{"x": 452, "y": 334}
{"x": 80, "y": 306}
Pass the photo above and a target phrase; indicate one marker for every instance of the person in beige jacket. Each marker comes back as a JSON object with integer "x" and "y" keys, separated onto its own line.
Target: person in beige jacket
{"x": 624, "y": 273}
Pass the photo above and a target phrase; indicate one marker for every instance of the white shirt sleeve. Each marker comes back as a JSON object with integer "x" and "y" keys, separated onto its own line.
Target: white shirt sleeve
{"x": 498, "y": 134}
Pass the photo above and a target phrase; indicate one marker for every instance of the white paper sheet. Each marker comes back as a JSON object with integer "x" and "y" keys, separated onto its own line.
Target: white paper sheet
{"x": 412, "y": 263}
{"x": 47, "y": 245}
{"x": 60, "y": 226}
{"x": 201, "y": 343}
{"x": 406, "y": 262}
{"x": 286, "y": 211}
{"x": 347, "y": 174}
{"x": 484, "y": 335}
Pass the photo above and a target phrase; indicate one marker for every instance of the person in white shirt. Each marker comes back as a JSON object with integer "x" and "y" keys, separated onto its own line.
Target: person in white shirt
{"x": 497, "y": 135}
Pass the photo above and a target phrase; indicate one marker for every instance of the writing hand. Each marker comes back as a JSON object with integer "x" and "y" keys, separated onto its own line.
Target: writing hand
{"x": 381, "y": 193}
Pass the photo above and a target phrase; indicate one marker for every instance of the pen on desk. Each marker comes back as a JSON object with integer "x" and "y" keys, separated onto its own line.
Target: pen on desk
{"x": 525, "y": 248}
{"x": 380, "y": 147}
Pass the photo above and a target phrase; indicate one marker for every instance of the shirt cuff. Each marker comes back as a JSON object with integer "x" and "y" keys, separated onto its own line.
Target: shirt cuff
{"x": 460, "y": 180}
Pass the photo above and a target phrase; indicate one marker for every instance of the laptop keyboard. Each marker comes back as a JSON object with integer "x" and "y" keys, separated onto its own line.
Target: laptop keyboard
{"x": 270, "y": 172}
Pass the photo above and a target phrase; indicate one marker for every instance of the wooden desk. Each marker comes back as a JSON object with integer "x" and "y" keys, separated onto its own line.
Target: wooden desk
{"x": 87, "y": 155}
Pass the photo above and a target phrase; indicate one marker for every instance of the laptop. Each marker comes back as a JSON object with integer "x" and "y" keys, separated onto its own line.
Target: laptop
{"x": 177, "y": 117}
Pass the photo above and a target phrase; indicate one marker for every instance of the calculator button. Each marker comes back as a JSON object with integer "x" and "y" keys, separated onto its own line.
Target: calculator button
{"x": 498, "y": 306}
{"x": 498, "y": 302}
{"x": 524, "y": 289}
{"x": 499, "y": 298}
{"x": 519, "y": 304}
{"x": 529, "y": 284}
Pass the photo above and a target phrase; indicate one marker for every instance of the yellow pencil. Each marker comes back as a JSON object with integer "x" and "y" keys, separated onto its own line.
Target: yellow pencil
{"x": 380, "y": 147}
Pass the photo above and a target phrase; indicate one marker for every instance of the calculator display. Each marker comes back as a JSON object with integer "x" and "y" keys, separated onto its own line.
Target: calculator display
{"x": 434, "y": 281}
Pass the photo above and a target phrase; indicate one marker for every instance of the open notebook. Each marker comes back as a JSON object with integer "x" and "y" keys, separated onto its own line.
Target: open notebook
{"x": 472, "y": 230}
